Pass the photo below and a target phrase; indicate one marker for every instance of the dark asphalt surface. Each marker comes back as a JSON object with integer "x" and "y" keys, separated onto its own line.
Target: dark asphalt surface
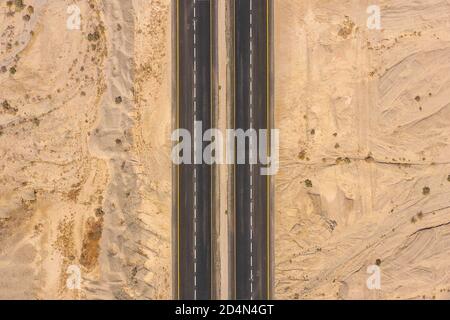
{"x": 194, "y": 284}
{"x": 252, "y": 272}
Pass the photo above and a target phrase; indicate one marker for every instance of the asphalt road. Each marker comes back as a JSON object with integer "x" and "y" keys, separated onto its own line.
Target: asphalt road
{"x": 251, "y": 189}
{"x": 194, "y": 90}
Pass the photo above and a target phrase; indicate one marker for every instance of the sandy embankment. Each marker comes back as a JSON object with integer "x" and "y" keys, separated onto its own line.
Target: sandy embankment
{"x": 83, "y": 130}
{"x": 365, "y": 125}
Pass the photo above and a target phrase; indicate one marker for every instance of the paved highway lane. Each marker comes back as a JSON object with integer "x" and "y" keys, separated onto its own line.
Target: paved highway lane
{"x": 252, "y": 278}
{"x": 194, "y": 181}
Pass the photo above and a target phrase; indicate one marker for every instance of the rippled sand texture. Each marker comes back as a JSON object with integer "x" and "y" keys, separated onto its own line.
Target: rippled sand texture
{"x": 85, "y": 172}
{"x": 84, "y": 122}
{"x": 365, "y": 126}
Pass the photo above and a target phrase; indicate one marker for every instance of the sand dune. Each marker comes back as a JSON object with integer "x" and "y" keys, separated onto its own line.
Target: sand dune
{"x": 364, "y": 147}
